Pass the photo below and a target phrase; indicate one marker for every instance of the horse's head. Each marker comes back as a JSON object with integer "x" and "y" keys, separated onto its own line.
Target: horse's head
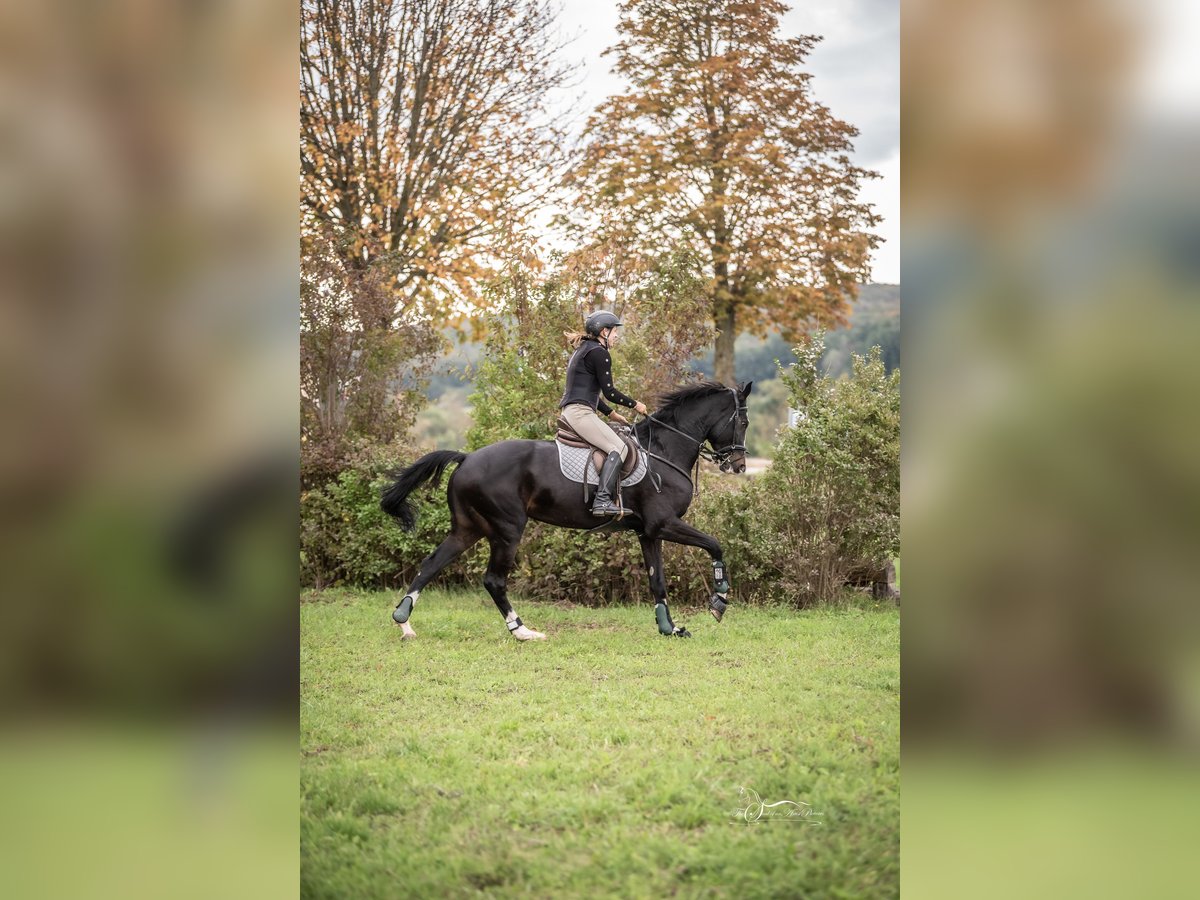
{"x": 727, "y": 436}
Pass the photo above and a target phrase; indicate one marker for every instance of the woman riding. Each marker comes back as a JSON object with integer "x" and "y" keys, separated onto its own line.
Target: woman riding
{"x": 589, "y": 373}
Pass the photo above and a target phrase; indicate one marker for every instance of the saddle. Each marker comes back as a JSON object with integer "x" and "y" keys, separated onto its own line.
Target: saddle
{"x": 567, "y": 435}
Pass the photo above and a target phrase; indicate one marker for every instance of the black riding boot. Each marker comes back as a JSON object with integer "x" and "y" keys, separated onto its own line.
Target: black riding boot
{"x": 603, "y": 504}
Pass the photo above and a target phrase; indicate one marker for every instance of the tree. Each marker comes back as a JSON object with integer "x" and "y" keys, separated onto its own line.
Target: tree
{"x": 419, "y": 141}
{"x": 362, "y": 360}
{"x": 719, "y": 144}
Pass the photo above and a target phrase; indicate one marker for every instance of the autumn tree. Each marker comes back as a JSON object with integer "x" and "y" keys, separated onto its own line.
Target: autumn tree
{"x": 423, "y": 143}
{"x": 719, "y": 144}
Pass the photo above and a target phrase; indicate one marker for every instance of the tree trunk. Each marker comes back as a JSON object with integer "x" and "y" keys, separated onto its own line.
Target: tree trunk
{"x": 723, "y": 318}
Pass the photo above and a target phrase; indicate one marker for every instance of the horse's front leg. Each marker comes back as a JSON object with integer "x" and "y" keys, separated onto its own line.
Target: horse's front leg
{"x": 680, "y": 532}
{"x": 652, "y": 554}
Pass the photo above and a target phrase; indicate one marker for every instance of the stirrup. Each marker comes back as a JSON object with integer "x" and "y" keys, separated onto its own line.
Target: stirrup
{"x": 610, "y": 509}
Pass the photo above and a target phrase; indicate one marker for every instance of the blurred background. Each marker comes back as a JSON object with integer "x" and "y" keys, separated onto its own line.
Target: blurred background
{"x": 147, "y": 465}
{"x": 1051, "y": 460}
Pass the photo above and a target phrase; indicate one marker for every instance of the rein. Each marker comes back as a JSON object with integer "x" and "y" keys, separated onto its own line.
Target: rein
{"x": 678, "y": 469}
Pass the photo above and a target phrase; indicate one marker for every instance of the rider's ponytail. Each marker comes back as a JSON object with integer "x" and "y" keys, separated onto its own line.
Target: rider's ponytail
{"x": 574, "y": 338}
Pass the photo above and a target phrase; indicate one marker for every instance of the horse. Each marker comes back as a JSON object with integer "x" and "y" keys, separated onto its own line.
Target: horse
{"x": 497, "y": 489}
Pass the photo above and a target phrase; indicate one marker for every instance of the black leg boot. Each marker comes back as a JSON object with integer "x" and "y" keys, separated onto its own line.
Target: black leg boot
{"x": 603, "y": 504}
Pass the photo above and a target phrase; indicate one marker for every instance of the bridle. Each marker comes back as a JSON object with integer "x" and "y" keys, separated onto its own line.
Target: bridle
{"x": 722, "y": 456}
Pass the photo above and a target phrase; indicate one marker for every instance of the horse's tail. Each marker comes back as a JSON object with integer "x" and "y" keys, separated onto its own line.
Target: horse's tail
{"x": 394, "y": 500}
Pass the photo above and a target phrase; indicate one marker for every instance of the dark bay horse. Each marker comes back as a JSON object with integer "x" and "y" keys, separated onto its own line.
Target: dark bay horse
{"x": 497, "y": 489}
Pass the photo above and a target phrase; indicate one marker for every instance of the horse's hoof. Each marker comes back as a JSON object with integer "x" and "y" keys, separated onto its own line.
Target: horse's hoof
{"x": 403, "y": 610}
{"x": 717, "y": 607}
{"x": 528, "y": 634}
{"x": 407, "y": 632}
{"x": 680, "y": 631}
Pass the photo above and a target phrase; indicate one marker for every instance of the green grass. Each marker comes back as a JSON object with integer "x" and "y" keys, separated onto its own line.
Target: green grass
{"x": 605, "y": 761}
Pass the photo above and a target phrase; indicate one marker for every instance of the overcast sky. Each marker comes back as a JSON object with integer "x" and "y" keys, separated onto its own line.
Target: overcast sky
{"x": 856, "y": 73}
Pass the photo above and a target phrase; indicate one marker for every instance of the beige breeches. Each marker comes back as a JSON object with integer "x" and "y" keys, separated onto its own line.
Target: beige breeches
{"x": 588, "y": 424}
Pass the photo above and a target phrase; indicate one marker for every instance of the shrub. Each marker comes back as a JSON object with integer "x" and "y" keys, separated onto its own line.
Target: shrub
{"x": 519, "y": 380}
{"x": 521, "y": 376}
{"x": 598, "y": 569}
{"x": 830, "y": 504}
{"x": 346, "y": 539}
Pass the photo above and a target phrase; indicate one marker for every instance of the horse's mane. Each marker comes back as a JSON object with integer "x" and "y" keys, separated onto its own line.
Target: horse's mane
{"x": 669, "y": 404}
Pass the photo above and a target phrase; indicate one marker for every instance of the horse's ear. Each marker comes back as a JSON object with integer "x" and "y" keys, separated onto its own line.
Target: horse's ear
{"x": 744, "y": 390}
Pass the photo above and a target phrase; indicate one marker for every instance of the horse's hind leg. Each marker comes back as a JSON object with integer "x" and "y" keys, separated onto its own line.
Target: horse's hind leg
{"x": 504, "y": 555}
{"x": 456, "y": 543}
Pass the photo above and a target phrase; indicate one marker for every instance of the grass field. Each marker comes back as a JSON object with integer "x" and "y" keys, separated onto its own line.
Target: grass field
{"x": 605, "y": 761}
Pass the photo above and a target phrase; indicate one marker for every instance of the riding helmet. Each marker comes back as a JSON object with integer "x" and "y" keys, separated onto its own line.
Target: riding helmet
{"x": 599, "y": 320}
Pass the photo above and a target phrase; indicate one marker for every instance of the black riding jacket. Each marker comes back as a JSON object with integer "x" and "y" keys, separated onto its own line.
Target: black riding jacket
{"x": 588, "y": 373}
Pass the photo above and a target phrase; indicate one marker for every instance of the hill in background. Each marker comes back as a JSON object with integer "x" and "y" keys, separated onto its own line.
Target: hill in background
{"x": 874, "y": 319}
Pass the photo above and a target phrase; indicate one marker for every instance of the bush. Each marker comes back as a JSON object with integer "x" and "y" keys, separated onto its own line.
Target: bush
{"x": 606, "y": 568}
{"x": 346, "y": 539}
{"x": 598, "y": 569}
{"x": 830, "y": 504}
{"x": 522, "y": 374}
{"x": 520, "y": 377}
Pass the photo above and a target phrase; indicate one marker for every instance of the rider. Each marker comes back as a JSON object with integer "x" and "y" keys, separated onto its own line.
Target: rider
{"x": 588, "y": 374}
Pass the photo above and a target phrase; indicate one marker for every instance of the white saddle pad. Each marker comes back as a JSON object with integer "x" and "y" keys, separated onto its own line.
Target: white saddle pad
{"x": 574, "y": 462}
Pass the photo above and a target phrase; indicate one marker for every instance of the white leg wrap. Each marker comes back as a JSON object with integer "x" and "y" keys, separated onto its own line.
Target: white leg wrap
{"x": 520, "y": 631}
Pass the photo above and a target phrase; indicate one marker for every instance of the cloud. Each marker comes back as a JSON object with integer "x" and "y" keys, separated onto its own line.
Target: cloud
{"x": 856, "y": 69}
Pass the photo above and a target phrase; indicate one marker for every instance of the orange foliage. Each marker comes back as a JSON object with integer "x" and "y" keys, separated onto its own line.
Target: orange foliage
{"x": 421, "y": 143}
{"x": 720, "y": 145}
